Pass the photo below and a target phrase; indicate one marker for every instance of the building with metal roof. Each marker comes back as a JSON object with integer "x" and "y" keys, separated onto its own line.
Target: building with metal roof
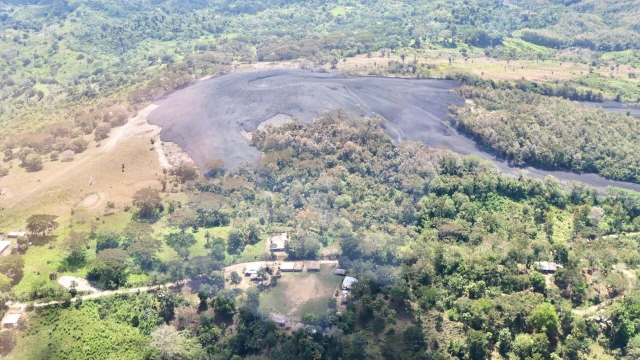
{"x": 348, "y": 282}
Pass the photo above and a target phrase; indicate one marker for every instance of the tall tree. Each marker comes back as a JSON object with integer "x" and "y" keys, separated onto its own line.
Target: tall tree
{"x": 13, "y": 267}
{"x": 110, "y": 268}
{"x": 40, "y": 224}
{"x": 180, "y": 242}
{"x": 148, "y": 202}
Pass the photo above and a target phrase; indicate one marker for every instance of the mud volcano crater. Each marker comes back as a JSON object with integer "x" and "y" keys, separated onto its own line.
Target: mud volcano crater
{"x": 210, "y": 119}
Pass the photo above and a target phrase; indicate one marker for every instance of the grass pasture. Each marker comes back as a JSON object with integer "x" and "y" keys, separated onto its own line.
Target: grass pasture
{"x": 300, "y": 293}
{"x": 79, "y": 332}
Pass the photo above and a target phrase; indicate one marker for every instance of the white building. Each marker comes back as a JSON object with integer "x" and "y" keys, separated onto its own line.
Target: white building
{"x": 252, "y": 269}
{"x": 287, "y": 266}
{"x": 348, "y": 282}
{"x": 3, "y": 245}
{"x": 278, "y": 242}
{"x": 11, "y": 320}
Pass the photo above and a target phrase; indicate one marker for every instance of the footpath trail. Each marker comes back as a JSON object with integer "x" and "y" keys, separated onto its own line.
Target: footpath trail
{"x": 99, "y": 294}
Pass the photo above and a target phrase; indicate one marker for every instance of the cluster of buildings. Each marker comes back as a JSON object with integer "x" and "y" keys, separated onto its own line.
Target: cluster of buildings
{"x": 4, "y": 244}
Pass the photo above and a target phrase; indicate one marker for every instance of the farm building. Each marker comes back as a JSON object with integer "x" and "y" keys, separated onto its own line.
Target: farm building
{"x": 16, "y": 234}
{"x": 279, "y": 319}
{"x": 252, "y": 269}
{"x": 340, "y": 272}
{"x": 3, "y": 245}
{"x": 312, "y": 265}
{"x": 348, "y": 282}
{"x": 548, "y": 267}
{"x": 289, "y": 266}
{"x": 278, "y": 242}
{"x": 11, "y": 320}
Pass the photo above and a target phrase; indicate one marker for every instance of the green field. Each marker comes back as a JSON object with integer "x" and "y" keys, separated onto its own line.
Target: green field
{"x": 301, "y": 293}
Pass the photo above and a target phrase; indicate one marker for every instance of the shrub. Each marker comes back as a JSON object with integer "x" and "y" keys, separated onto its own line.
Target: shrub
{"x": 33, "y": 162}
{"x": 78, "y": 145}
{"x": 102, "y": 131}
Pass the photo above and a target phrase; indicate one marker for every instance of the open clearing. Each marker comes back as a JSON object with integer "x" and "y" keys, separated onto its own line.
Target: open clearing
{"x": 82, "y": 285}
{"x": 299, "y": 293}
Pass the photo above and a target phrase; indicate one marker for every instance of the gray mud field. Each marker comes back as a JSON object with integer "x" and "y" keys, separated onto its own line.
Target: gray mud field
{"x": 208, "y": 119}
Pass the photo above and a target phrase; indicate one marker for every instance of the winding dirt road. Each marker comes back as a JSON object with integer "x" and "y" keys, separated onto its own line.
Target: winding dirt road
{"x": 227, "y": 270}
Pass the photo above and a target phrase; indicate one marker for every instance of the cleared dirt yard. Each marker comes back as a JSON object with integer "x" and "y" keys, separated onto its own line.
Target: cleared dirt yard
{"x": 299, "y": 293}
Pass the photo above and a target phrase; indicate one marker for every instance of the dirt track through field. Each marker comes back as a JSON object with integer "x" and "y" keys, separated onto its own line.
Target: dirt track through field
{"x": 211, "y": 118}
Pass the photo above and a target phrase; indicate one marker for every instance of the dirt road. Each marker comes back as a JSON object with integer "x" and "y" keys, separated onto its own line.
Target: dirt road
{"x": 236, "y": 267}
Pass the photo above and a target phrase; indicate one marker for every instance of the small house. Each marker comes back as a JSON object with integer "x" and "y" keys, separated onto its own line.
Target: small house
{"x": 279, "y": 319}
{"x": 278, "y": 242}
{"x": 16, "y": 234}
{"x": 252, "y": 269}
{"x": 11, "y": 320}
{"x": 340, "y": 272}
{"x": 548, "y": 267}
{"x": 3, "y": 245}
{"x": 312, "y": 266}
{"x": 348, "y": 282}
{"x": 287, "y": 266}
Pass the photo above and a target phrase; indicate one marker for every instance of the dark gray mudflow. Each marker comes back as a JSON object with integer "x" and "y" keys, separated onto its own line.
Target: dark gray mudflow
{"x": 614, "y": 106}
{"x": 207, "y": 118}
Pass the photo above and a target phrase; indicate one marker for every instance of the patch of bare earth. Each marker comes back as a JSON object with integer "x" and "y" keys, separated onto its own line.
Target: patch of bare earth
{"x": 82, "y": 285}
{"x": 92, "y": 201}
{"x": 118, "y": 166}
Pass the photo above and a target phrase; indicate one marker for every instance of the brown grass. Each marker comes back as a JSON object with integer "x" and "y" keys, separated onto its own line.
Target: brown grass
{"x": 60, "y": 186}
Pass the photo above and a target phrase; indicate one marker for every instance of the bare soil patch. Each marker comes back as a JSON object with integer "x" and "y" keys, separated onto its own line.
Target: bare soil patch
{"x": 61, "y": 186}
{"x": 82, "y": 285}
{"x": 92, "y": 200}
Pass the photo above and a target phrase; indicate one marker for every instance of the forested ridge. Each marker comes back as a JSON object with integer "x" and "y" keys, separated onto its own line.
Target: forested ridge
{"x": 527, "y": 128}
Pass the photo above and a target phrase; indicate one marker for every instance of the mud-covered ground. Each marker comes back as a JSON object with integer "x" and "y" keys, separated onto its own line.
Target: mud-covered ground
{"x": 211, "y": 118}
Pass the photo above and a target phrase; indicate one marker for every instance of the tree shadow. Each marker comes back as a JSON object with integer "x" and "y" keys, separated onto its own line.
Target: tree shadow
{"x": 40, "y": 240}
{"x": 72, "y": 263}
{"x": 147, "y": 220}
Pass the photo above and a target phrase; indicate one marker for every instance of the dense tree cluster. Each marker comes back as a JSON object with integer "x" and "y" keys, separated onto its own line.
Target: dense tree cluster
{"x": 564, "y": 90}
{"x": 550, "y": 133}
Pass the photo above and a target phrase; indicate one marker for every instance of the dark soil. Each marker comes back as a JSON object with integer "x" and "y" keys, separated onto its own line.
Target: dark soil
{"x": 207, "y": 118}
